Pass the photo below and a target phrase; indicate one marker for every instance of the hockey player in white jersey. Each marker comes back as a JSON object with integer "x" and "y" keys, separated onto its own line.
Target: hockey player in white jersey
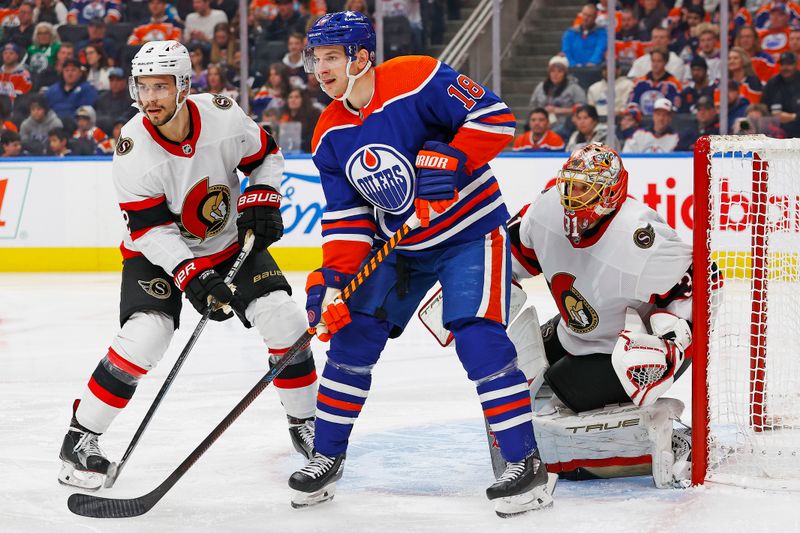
{"x": 621, "y": 279}
{"x": 175, "y": 174}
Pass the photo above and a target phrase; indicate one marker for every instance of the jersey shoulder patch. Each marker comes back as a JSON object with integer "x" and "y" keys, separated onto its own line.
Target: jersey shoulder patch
{"x": 644, "y": 237}
{"x": 222, "y": 102}
{"x": 124, "y": 146}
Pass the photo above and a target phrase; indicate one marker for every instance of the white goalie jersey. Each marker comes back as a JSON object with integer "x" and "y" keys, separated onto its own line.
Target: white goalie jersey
{"x": 634, "y": 259}
{"x": 179, "y": 199}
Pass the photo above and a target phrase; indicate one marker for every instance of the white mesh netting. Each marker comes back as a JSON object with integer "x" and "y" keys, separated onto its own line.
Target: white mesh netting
{"x": 754, "y": 335}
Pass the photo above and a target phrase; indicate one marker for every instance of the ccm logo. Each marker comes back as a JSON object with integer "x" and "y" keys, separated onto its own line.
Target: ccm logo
{"x": 431, "y": 160}
{"x": 270, "y": 198}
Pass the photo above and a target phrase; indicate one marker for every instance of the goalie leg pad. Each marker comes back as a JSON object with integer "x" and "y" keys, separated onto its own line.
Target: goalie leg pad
{"x": 526, "y": 335}
{"x": 610, "y": 442}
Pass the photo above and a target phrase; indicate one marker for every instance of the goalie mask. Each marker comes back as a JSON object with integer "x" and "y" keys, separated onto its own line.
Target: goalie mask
{"x": 350, "y": 29}
{"x": 162, "y": 58}
{"x": 592, "y": 184}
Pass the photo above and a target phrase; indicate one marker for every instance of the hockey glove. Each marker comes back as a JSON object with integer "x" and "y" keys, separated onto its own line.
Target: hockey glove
{"x": 259, "y": 211}
{"x": 438, "y": 165}
{"x": 203, "y": 287}
{"x": 326, "y": 311}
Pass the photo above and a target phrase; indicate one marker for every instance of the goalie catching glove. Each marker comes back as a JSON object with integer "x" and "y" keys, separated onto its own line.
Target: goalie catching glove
{"x": 203, "y": 287}
{"x": 646, "y": 363}
{"x": 438, "y": 165}
{"x": 259, "y": 211}
{"x": 326, "y": 311}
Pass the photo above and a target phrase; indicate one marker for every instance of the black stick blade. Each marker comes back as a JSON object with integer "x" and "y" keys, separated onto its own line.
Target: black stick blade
{"x": 99, "y": 507}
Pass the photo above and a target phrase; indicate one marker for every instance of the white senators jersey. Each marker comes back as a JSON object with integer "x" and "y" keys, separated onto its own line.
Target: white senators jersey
{"x": 632, "y": 259}
{"x": 179, "y": 199}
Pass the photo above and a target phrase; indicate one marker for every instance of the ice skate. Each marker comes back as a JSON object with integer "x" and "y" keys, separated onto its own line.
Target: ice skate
{"x": 84, "y": 465}
{"x": 301, "y": 431}
{"x": 315, "y": 483}
{"x": 524, "y": 486}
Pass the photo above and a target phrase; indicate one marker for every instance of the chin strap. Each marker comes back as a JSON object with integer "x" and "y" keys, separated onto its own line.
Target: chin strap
{"x": 351, "y": 80}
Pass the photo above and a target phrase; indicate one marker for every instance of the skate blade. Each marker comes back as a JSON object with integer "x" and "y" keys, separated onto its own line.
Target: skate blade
{"x": 82, "y": 479}
{"x": 310, "y": 499}
{"x": 538, "y": 498}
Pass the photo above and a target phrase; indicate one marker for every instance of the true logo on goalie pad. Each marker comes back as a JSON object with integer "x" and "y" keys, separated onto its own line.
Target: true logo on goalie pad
{"x": 157, "y": 288}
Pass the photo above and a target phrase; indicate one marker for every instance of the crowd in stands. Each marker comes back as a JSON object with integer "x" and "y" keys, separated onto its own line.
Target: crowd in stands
{"x": 668, "y": 69}
{"x": 64, "y": 73}
{"x": 65, "y": 64}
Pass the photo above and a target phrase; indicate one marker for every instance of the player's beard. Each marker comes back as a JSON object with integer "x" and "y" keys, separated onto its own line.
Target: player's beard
{"x": 163, "y": 117}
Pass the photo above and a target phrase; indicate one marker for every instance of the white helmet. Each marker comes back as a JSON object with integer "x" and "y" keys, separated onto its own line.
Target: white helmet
{"x": 159, "y": 58}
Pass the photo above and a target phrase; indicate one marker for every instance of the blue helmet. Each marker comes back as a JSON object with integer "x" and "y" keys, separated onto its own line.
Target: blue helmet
{"x": 350, "y": 29}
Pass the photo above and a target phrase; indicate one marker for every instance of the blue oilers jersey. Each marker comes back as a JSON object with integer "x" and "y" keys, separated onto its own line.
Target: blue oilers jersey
{"x": 366, "y": 160}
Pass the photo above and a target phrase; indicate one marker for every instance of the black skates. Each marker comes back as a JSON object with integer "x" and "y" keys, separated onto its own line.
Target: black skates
{"x": 524, "y": 486}
{"x": 301, "y": 432}
{"x": 315, "y": 483}
{"x": 84, "y": 465}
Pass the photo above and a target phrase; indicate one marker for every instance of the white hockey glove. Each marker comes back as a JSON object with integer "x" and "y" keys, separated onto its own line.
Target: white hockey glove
{"x": 645, "y": 364}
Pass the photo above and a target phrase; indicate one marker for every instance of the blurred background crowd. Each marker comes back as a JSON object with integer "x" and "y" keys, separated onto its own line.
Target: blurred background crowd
{"x": 64, "y": 74}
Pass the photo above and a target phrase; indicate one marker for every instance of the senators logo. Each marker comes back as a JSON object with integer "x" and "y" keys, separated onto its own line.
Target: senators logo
{"x": 574, "y": 309}
{"x": 222, "y": 102}
{"x": 383, "y": 176}
{"x": 157, "y": 288}
{"x": 644, "y": 237}
{"x": 124, "y": 145}
{"x": 205, "y": 210}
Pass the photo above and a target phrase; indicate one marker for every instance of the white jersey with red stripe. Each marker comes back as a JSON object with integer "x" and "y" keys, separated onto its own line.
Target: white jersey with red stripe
{"x": 631, "y": 259}
{"x": 179, "y": 199}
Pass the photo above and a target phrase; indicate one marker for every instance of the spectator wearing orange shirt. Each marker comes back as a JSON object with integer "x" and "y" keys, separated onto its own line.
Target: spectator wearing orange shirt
{"x": 774, "y": 38}
{"x": 764, "y": 64}
{"x": 14, "y": 77}
{"x": 539, "y": 137}
{"x": 160, "y": 27}
{"x": 85, "y": 118}
{"x": 740, "y": 69}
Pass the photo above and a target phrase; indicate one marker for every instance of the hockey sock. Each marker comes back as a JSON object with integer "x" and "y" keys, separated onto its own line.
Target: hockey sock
{"x": 506, "y": 404}
{"x": 340, "y": 398}
{"x": 297, "y": 383}
{"x": 110, "y": 389}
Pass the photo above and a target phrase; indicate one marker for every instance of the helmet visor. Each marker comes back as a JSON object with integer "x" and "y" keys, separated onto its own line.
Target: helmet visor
{"x": 327, "y": 57}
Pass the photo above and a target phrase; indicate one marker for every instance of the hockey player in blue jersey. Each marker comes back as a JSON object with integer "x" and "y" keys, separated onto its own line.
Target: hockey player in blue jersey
{"x": 411, "y": 138}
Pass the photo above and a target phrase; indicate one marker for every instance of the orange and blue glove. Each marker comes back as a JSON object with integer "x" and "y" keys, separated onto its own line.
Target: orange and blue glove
{"x": 438, "y": 164}
{"x": 326, "y": 311}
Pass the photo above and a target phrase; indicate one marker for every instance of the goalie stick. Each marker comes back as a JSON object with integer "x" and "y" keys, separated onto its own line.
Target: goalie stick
{"x": 99, "y": 507}
{"x": 115, "y": 469}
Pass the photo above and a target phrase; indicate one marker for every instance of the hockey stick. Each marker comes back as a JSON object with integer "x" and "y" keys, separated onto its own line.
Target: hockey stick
{"x": 99, "y": 507}
{"x": 115, "y": 469}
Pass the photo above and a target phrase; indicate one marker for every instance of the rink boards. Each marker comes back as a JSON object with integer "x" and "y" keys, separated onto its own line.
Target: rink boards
{"x": 62, "y": 215}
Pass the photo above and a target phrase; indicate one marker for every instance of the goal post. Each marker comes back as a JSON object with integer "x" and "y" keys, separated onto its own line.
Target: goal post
{"x": 746, "y": 312}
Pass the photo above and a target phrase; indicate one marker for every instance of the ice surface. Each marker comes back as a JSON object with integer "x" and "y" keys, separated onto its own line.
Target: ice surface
{"x": 418, "y": 458}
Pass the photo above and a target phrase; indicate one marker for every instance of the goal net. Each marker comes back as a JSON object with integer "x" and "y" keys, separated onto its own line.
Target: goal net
{"x": 746, "y": 367}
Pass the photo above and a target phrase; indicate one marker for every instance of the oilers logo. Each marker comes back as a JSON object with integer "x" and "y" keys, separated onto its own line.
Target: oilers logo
{"x": 383, "y": 176}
